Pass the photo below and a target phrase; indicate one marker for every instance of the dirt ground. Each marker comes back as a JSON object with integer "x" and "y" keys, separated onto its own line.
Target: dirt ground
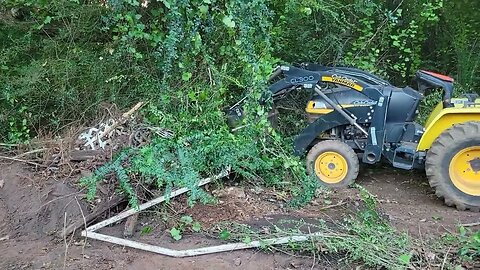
{"x": 34, "y": 209}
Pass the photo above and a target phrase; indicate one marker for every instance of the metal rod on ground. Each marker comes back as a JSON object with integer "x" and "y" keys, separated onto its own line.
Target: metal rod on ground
{"x": 204, "y": 250}
{"x": 90, "y": 232}
{"x": 151, "y": 203}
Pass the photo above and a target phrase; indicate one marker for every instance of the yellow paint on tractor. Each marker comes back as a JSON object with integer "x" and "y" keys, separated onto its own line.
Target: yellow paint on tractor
{"x": 311, "y": 108}
{"x": 434, "y": 114}
{"x": 442, "y": 119}
{"x": 331, "y": 167}
{"x": 461, "y": 173}
{"x": 458, "y": 103}
{"x": 343, "y": 81}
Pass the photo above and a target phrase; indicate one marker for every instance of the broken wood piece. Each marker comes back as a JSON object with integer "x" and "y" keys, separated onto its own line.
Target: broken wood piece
{"x": 102, "y": 208}
{"x": 31, "y": 152}
{"x": 124, "y": 119}
{"x": 82, "y": 155}
{"x": 24, "y": 161}
{"x": 332, "y": 206}
{"x": 133, "y": 109}
{"x": 130, "y": 225}
{"x": 8, "y": 145}
{"x": 471, "y": 224}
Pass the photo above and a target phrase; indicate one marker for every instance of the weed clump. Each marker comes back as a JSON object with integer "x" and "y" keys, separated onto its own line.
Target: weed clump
{"x": 361, "y": 238}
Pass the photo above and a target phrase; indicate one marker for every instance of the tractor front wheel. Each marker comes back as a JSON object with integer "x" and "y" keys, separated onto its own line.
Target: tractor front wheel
{"x": 453, "y": 166}
{"x": 334, "y": 163}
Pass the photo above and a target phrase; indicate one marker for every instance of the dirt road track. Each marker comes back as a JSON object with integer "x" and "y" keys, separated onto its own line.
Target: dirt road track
{"x": 33, "y": 209}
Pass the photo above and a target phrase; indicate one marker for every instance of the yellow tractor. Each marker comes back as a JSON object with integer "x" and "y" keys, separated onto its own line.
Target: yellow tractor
{"x": 355, "y": 116}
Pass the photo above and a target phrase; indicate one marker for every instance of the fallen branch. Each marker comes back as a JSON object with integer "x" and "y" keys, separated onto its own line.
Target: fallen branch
{"x": 332, "y": 206}
{"x": 445, "y": 258}
{"x": 92, "y": 216}
{"x": 23, "y": 161}
{"x": 31, "y": 152}
{"x": 8, "y": 145}
{"x": 471, "y": 224}
{"x": 124, "y": 119}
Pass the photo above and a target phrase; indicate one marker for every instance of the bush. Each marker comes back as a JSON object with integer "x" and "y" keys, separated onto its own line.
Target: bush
{"x": 192, "y": 58}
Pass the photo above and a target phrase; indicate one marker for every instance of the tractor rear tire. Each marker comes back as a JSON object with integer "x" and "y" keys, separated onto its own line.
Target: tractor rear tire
{"x": 334, "y": 163}
{"x": 452, "y": 166}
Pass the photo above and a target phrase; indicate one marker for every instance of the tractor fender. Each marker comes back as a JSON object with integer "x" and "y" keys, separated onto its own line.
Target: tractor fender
{"x": 440, "y": 120}
{"x": 311, "y": 132}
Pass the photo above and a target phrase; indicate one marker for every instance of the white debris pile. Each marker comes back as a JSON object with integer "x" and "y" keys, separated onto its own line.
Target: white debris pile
{"x": 96, "y": 138}
{"x": 113, "y": 134}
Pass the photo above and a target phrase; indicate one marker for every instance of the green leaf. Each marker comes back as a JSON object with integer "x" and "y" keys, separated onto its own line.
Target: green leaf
{"x": 307, "y": 10}
{"x": 47, "y": 20}
{"x": 186, "y": 76}
{"x": 405, "y": 259}
{"x": 166, "y": 3}
{"x": 196, "y": 227}
{"x": 186, "y": 219}
{"x": 224, "y": 235}
{"x": 203, "y": 9}
{"x": 176, "y": 234}
{"x": 228, "y": 21}
{"x": 247, "y": 240}
{"x": 476, "y": 237}
{"x": 145, "y": 230}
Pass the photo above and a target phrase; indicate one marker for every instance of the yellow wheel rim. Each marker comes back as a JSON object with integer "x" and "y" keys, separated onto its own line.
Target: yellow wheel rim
{"x": 331, "y": 167}
{"x": 464, "y": 170}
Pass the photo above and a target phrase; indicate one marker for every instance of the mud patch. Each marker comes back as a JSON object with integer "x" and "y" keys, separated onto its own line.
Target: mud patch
{"x": 33, "y": 208}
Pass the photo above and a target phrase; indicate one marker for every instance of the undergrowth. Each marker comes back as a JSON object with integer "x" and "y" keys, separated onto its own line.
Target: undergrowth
{"x": 191, "y": 59}
{"x": 167, "y": 164}
{"x": 362, "y": 237}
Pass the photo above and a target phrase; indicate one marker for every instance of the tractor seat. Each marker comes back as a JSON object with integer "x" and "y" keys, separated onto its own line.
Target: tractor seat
{"x": 438, "y": 76}
{"x": 428, "y": 80}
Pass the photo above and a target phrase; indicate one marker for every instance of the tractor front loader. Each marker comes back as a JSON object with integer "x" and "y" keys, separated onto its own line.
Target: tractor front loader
{"x": 355, "y": 117}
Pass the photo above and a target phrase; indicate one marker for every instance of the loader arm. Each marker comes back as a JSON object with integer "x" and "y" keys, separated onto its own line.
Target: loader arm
{"x": 287, "y": 78}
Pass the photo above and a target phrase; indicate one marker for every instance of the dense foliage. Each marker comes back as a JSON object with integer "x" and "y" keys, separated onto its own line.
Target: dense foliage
{"x": 190, "y": 59}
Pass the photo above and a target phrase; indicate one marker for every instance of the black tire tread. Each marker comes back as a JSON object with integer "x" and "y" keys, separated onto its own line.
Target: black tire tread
{"x": 436, "y": 179}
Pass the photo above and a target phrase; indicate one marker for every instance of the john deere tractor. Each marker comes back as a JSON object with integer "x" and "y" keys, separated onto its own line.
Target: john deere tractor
{"x": 355, "y": 116}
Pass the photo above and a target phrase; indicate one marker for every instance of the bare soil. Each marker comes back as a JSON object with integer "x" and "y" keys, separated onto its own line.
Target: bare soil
{"x": 35, "y": 208}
